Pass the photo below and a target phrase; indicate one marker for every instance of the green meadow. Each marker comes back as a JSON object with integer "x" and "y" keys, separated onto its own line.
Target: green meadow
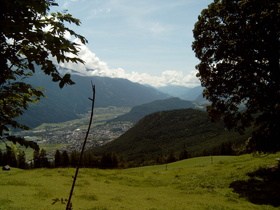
{"x": 218, "y": 183}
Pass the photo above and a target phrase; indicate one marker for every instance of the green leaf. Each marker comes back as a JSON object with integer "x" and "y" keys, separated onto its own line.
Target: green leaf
{"x": 25, "y": 42}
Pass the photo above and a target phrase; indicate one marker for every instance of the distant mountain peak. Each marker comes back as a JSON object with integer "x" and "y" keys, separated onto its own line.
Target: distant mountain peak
{"x": 66, "y": 103}
{"x": 186, "y": 93}
{"x": 141, "y": 111}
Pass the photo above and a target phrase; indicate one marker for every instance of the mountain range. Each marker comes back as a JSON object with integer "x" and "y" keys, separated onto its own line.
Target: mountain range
{"x": 138, "y": 112}
{"x": 69, "y": 102}
{"x": 185, "y": 93}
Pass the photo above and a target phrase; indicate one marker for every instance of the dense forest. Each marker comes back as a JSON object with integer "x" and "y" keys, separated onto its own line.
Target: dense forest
{"x": 165, "y": 132}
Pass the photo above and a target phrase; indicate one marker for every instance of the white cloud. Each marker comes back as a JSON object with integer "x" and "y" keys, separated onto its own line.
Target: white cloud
{"x": 95, "y": 67}
{"x": 169, "y": 77}
{"x": 68, "y": 2}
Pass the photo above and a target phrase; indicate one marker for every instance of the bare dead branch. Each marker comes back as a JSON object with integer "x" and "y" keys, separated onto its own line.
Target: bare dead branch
{"x": 69, "y": 205}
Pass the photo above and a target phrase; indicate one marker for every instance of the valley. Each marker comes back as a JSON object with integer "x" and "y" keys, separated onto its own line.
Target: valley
{"x": 71, "y": 133}
{"x": 162, "y": 125}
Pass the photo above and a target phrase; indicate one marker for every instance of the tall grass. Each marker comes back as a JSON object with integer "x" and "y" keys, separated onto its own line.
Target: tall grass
{"x": 197, "y": 183}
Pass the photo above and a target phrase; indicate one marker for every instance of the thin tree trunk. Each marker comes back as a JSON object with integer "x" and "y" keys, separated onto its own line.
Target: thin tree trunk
{"x": 69, "y": 205}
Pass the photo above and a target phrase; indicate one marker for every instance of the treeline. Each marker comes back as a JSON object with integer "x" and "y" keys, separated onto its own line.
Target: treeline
{"x": 225, "y": 148}
{"x": 16, "y": 158}
{"x": 13, "y": 158}
{"x": 156, "y": 133}
{"x": 109, "y": 160}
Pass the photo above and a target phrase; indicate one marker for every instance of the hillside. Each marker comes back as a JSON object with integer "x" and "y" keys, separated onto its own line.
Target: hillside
{"x": 193, "y": 94}
{"x": 185, "y": 93}
{"x": 174, "y": 90}
{"x": 67, "y": 103}
{"x": 226, "y": 182}
{"x": 159, "y": 133}
{"x": 138, "y": 112}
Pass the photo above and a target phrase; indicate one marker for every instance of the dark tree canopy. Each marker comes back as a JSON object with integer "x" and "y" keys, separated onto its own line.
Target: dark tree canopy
{"x": 238, "y": 45}
{"x": 30, "y": 35}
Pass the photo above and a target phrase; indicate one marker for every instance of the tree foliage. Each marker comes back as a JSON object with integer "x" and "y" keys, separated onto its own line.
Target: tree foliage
{"x": 13, "y": 157}
{"x": 65, "y": 160}
{"x": 184, "y": 154}
{"x": 40, "y": 159}
{"x": 31, "y": 36}
{"x": 57, "y": 158}
{"x": 238, "y": 45}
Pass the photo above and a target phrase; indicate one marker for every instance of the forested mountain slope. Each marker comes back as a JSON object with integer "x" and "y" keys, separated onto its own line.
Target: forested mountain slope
{"x": 161, "y": 132}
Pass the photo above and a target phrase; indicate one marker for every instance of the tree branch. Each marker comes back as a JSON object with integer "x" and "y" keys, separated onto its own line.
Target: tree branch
{"x": 69, "y": 205}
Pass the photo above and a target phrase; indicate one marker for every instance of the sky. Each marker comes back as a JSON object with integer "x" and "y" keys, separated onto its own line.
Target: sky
{"x": 145, "y": 41}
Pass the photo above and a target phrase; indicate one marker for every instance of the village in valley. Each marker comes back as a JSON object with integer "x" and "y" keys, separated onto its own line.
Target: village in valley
{"x": 72, "y": 133}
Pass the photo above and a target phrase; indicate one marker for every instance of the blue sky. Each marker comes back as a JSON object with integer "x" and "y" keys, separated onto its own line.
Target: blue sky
{"x": 145, "y": 41}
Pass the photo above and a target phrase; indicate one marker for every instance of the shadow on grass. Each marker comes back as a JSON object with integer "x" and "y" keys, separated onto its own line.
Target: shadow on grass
{"x": 263, "y": 186}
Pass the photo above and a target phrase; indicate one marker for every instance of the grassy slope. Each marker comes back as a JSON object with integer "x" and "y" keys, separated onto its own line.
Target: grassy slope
{"x": 189, "y": 184}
